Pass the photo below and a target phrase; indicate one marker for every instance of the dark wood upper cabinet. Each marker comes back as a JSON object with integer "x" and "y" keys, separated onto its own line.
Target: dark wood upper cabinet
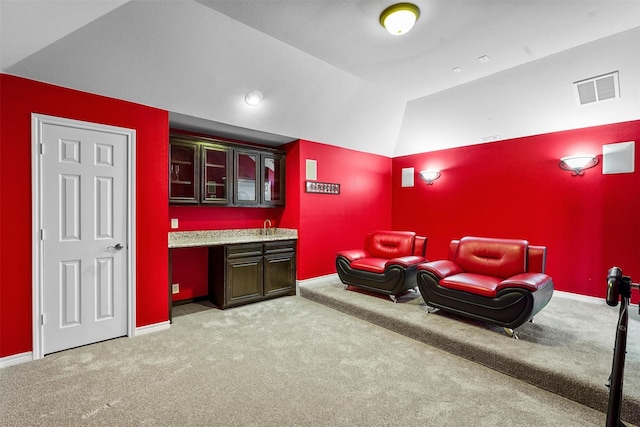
{"x": 216, "y": 170}
{"x": 213, "y": 172}
{"x": 246, "y": 177}
{"x": 183, "y": 173}
{"x": 272, "y": 167}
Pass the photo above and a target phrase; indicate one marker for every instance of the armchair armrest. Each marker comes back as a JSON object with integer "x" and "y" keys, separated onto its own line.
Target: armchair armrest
{"x": 354, "y": 254}
{"x": 405, "y": 261}
{"x": 529, "y": 281}
{"x": 441, "y": 268}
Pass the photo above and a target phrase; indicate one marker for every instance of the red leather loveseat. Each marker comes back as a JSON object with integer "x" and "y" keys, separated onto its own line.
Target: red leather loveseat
{"x": 499, "y": 281}
{"x": 387, "y": 264}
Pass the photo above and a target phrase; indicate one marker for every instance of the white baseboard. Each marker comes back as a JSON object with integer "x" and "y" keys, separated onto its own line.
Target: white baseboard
{"x": 578, "y": 297}
{"x": 583, "y": 298}
{"x": 320, "y": 280}
{"x": 16, "y": 359}
{"x": 156, "y": 327}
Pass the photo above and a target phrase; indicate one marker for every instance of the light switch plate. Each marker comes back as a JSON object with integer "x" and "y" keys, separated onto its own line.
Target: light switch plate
{"x": 175, "y": 288}
{"x": 174, "y": 222}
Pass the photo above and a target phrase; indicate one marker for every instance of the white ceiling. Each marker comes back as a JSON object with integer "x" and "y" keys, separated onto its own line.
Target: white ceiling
{"x": 448, "y": 34}
{"x": 328, "y": 70}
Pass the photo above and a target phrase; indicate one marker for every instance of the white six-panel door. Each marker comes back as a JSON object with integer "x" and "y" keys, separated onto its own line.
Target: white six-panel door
{"x": 84, "y": 238}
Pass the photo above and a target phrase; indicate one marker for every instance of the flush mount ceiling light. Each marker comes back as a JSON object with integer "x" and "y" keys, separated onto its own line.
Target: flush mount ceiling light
{"x": 429, "y": 176}
{"x": 577, "y": 164}
{"x": 253, "y": 98}
{"x": 399, "y": 18}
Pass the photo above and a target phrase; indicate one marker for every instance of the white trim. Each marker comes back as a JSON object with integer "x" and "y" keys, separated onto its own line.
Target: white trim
{"x": 131, "y": 230}
{"x": 578, "y": 297}
{"x": 583, "y": 298}
{"x": 15, "y": 359}
{"x": 37, "y": 121}
{"x": 156, "y": 327}
{"x": 36, "y": 247}
{"x": 318, "y": 281}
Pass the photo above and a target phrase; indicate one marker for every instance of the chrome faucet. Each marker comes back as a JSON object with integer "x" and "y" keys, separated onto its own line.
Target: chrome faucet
{"x": 265, "y": 230}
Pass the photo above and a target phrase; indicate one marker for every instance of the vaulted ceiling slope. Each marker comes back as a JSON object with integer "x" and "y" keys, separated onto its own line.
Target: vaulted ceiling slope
{"x": 329, "y": 72}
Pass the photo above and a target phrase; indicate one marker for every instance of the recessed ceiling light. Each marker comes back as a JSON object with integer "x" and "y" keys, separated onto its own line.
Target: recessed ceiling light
{"x": 484, "y": 58}
{"x": 253, "y": 98}
{"x": 456, "y": 70}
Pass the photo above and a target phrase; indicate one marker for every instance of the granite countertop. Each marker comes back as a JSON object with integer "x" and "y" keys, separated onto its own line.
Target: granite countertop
{"x": 188, "y": 239}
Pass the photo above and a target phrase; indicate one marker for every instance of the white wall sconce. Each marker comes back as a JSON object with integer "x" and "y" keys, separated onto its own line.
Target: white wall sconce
{"x": 253, "y": 98}
{"x": 577, "y": 164}
{"x": 429, "y": 176}
{"x": 399, "y": 18}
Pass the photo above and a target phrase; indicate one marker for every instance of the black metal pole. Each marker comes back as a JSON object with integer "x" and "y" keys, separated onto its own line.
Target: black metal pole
{"x": 617, "y": 371}
{"x": 618, "y": 287}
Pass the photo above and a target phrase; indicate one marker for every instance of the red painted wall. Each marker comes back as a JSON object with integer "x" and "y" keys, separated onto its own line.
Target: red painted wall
{"x": 19, "y": 98}
{"x": 293, "y": 182}
{"x": 330, "y": 223}
{"x": 189, "y": 270}
{"x": 515, "y": 189}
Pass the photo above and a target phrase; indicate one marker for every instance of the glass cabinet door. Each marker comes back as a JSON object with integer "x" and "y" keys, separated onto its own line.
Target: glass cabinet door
{"x": 216, "y": 164}
{"x": 183, "y": 183}
{"x": 272, "y": 179}
{"x": 246, "y": 177}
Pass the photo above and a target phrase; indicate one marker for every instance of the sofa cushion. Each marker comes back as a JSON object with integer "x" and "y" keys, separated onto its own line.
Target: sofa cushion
{"x": 501, "y": 258}
{"x": 374, "y": 265}
{"x": 478, "y": 284}
{"x": 391, "y": 244}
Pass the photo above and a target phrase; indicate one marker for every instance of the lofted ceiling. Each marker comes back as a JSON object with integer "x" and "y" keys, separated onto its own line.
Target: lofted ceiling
{"x": 328, "y": 71}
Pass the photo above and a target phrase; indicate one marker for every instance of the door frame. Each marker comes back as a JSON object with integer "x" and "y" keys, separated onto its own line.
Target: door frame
{"x": 37, "y": 122}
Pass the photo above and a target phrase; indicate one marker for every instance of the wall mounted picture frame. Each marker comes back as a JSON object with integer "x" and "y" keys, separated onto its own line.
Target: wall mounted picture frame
{"x": 322, "y": 187}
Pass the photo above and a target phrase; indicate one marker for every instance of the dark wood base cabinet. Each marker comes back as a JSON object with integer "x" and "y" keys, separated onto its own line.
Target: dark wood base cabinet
{"x": 250, "y": 272}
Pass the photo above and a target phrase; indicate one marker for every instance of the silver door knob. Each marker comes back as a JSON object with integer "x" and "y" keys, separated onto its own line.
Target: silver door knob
{"x": 117, "y": 247}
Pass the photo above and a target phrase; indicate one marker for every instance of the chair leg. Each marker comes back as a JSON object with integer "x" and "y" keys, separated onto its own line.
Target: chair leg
{"x": 393, "y": 298}
{"x": 511, "y": 333}
{"x": 430, "y": 309}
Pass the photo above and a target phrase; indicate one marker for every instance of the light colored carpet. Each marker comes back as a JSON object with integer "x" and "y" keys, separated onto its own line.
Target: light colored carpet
{"x": 284, "y": 362}
{"x": 568, "y": 350}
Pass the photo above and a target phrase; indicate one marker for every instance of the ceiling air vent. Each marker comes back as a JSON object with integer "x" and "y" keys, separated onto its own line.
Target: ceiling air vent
{"x": 599, "y": 88}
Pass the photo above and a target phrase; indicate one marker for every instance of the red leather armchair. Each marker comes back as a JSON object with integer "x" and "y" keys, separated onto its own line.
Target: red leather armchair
{"x": 499, "y": 281}
{"x": 387, "y": 264}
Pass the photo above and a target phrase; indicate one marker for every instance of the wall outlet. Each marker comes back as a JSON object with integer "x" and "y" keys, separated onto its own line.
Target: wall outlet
{"x": 175, "y": 288}
{"x": 174, "y": 222}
